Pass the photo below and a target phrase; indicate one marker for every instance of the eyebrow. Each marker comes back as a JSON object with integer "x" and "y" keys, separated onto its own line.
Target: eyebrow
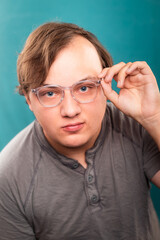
{"x": 89, "y": 77}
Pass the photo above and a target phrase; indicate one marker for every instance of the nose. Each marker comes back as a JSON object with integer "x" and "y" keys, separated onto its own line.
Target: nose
{"x": 69, "y": 107}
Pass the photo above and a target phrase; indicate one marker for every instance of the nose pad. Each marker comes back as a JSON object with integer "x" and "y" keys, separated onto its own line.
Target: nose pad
{"x": 69, "y": 106}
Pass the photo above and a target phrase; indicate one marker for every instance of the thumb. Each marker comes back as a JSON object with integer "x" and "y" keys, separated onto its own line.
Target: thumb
{"x": 110, "y": 93}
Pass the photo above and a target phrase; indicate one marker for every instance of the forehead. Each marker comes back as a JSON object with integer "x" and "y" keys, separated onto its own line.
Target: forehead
{"x": 75, "y": 62}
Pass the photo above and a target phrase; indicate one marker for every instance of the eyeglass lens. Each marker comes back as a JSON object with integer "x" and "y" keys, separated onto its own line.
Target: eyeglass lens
{"x": 82, "y": 92}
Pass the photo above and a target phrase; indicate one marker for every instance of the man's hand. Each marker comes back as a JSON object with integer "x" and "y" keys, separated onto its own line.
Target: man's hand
{"x": 139, "y": 96}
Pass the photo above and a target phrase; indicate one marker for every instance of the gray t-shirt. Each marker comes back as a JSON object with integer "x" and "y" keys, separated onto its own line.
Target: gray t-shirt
{"x": 45, "y": 195}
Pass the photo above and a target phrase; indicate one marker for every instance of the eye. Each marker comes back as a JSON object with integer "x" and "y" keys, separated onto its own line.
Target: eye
{"x": 46, "y": 93}
{"x": 84, "y": 89}
{"x": 49, "y": 94}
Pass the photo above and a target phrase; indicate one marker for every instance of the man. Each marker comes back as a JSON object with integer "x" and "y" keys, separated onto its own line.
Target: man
{"x": 82, "y": 169}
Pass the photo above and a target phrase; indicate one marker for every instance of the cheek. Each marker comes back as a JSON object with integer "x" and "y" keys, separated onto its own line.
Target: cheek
{"x": 45, "y": 116}
{"x": 100, "y": 107}
{"x": 96, "y": 111}
{"x": 101, "y": 102}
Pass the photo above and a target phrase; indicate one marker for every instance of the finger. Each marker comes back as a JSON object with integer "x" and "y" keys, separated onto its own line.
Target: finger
{"x": 109, "y": 92}
{"x": 113, "y": 71}
{"x": 139, "y": 67}
{"x": 120, "y": 78}
{"x": 103, "y": 73}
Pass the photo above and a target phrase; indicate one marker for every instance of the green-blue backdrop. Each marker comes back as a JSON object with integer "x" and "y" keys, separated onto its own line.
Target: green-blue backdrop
{"x": 130, "y": 30}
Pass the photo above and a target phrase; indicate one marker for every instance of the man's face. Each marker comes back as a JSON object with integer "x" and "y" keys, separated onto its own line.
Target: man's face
{"x": 72, "y": 124}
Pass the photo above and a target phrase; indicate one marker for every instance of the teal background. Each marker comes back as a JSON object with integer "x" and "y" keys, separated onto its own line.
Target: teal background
{"x": 130, "y": 30}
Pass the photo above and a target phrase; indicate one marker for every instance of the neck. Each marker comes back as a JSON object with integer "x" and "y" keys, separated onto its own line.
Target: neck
{"x": 74, "y": 153}
{"x": 77, "y": 155}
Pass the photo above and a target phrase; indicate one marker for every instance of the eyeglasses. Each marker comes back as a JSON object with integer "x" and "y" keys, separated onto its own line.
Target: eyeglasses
{"x": 84, "y": 91}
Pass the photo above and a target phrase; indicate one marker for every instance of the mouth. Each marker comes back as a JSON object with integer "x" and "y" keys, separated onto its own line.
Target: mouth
{"x": 73, "y": 127}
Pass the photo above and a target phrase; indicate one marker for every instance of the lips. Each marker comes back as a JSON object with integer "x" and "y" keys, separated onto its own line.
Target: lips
{"x": 73, "y": 127}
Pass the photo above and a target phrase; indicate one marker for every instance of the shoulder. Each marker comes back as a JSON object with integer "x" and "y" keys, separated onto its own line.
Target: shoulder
{"x": 126, "y": 130}
{"x": 19, "y": 157}
{"x": 18, "y": 145}
{"x": 21, "y": 149}
{"x": 124, "y": 125}
{"x": 18, "y": 161}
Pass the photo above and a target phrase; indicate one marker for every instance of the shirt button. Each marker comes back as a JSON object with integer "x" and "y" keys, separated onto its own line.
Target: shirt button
{"x": 90, "y": 178}
{"x": 94, "y": 199}
{"x": 75, "y": 165}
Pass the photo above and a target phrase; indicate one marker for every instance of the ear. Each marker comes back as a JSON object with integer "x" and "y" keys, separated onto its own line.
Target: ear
{"x": 28, "y": 101}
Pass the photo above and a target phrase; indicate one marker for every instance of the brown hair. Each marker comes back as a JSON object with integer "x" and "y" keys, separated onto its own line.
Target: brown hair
{"x": 42, "y": 47}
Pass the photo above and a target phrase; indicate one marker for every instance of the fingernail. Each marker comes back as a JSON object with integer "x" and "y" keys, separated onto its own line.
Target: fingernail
{"x": 119, "y": 84}
{"x": 108, "y": 77}
{"x": 128, "y": 70}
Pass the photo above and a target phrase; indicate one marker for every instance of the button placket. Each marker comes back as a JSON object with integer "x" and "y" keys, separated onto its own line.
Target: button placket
{"x": 94, "y": 199}
{"x": 90, "y": 178}
{"x": 90, "y": 186}
{"x": 75, "y": 165}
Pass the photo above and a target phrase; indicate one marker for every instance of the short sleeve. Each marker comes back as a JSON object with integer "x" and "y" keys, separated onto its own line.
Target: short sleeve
{"x": 151, "y": 155}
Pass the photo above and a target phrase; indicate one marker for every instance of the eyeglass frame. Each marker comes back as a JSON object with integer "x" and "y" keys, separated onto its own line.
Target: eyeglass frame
{"x": 36, "y": 90}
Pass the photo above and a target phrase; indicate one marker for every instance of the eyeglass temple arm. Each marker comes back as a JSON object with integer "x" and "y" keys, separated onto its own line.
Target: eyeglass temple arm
{"x": 99, "y": 81}
{"x": 34, "y": 90}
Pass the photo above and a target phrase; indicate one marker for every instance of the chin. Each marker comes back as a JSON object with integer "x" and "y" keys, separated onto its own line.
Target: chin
{"x": 75, "y": 143}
